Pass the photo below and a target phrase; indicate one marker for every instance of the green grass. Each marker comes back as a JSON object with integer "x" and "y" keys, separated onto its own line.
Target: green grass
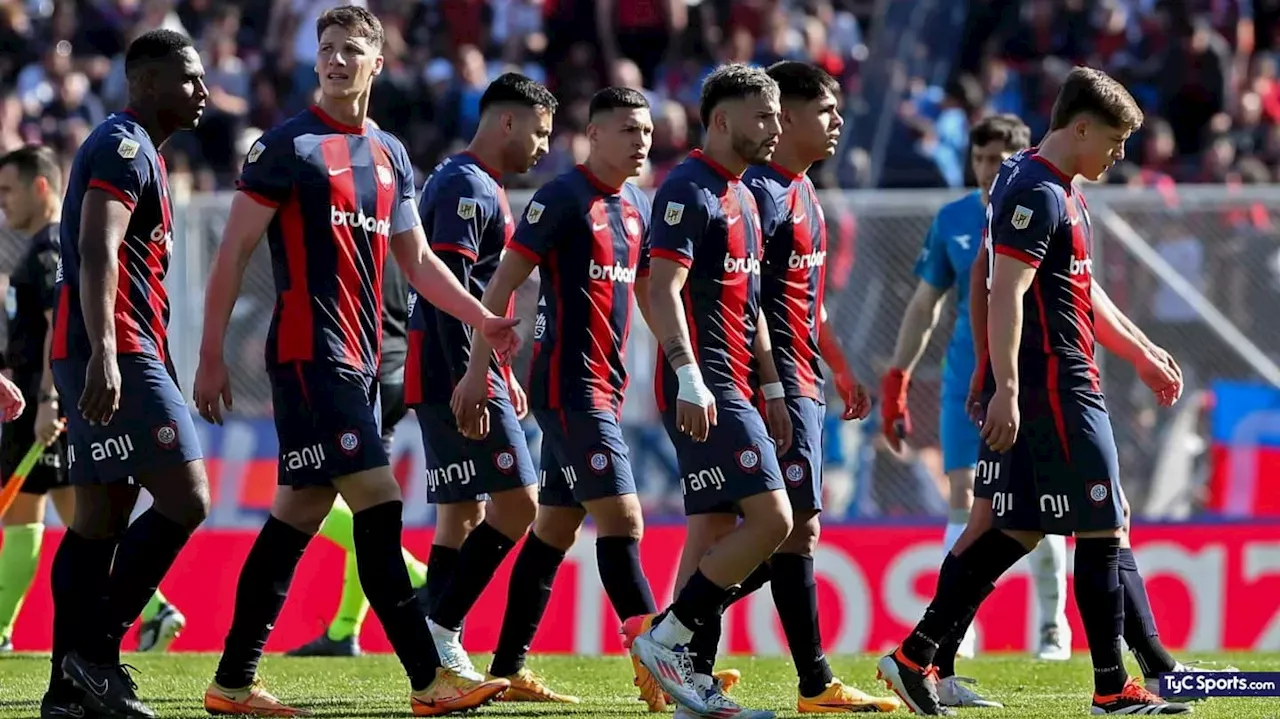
{"x": 375, "y": 686}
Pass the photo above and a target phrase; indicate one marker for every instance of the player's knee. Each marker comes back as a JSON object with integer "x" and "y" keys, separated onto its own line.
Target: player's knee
{"x": 1028, "y": 539}
{"x": 618, "y": 516}
{"x": 961, "y": 486}
{"x": 558, "y": 527}
{"x": 513, "y": 511}
{"x": 304, "y": 509}
{"x": 770, "y": 519}
{"x": 805, "y": 531}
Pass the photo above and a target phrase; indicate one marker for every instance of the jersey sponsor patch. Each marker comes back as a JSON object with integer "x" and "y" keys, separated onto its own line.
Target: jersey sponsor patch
{"x": 1021, "y": 217}
{"x": 128, "y": 149}
{"x": 254, "y": 153}
{"x": 535, "y": 212}
{"x": 673, "y": 214}
{"x": 467, "y": 208}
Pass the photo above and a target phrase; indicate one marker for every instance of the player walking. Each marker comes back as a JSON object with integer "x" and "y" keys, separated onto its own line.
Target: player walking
{"x": 705, "y": 309}
{"x": 331, "y": 193}
{"x": 31, "y": 199}
{"x": 468, "y": 222}
{"x": 1057, "y": 471}
{"x": 130, "y": 427}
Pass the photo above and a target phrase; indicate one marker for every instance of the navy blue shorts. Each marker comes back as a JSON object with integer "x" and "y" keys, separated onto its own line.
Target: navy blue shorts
{"x": 328, "y": 420}
{"x": 466, "y": 470}
{"x": 584, "y": 457}
{"x": 738, "y": 460}
{"x": 1063, "y": 474}
{"x": 152, "y": 429}
{"x": 802, "y": 464}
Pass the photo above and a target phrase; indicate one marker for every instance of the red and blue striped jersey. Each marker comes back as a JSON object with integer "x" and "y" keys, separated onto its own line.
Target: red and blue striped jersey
{"x": 468, "y": 222}
{"x": 119, "y": 157}
{"x": 340, "y": 193}
{"x": 1036, "y": 215}
{"x": 591, "y": 242}
{"x": 793, "y": 274}
{"x": 706, "y": 219}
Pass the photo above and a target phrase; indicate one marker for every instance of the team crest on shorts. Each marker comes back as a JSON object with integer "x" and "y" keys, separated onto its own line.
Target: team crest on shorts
{"x": 1099, "y": 493}
{"x": 748, "y": 459}
{"x": 504, "y": 460}
{"x": 598, "y": 461}
{"x": 166, "y": 435}
{"x": 349, "y": 442}
{"x": 794, "y": 472}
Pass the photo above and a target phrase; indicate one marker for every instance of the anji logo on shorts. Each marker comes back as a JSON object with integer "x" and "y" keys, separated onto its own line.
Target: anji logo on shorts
{"x": 741, "y": 265}
{"x": 805, "y": 262}
{"x": 612, "y": 273}
{"x": 1081, "y": 267}
{"x": 370, "y": 224}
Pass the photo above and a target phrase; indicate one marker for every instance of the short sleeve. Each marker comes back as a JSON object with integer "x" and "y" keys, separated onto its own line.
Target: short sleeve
{"x": 679, "y": 220}
{"x": 462, "y": 206}
{"x": 119, "y": 166}
{"x": 646, "y": 220}
{"x": 404, "y": 216}
{"x": 267, "y": 174}
{"x": 771, "y": 215}
{"x": 1025, "y": 223}
{"x": 933, "y": 265}
{"x": 540, "y": 225}
{"x": 45, "y": 274}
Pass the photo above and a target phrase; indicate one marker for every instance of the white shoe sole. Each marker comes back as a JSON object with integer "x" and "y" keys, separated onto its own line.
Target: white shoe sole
{"x": 887, "y": 672}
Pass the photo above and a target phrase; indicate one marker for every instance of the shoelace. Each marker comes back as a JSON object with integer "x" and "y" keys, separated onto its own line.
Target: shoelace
{"x": 127, "y": 671}
{"x": 1138, "y": 692}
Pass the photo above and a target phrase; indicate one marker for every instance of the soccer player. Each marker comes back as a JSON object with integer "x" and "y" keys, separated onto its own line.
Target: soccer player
{"x": 31, "y": 199}
{"x": 342, "y": 638}
{"x": 1049, "y": 453}
{"x": 468, "y": 222}
{"x": 331, "y": 194}
{"x": 587, "y": 234}
{"x": 129, "y": 427}
{"x": 705, "y": 309}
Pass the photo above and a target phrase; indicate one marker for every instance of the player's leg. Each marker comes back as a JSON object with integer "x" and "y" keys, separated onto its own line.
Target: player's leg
{"x": 960, "y": 441}
{"x": 19, "y": 558}
{"x": 1048, "y": 562}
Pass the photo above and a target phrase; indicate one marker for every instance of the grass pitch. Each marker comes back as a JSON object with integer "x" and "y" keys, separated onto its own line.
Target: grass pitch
{"x": 375, "y": 686}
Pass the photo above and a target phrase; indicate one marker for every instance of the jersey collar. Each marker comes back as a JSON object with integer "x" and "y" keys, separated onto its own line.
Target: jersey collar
{"x": 328, "y": 119}
{"x": 480, "y": 163}
{"x": 721, "y": 170}
{"x": 791, "y": 176}
{"x": 1035, "y": 155}
{"x": 599, "y": 184}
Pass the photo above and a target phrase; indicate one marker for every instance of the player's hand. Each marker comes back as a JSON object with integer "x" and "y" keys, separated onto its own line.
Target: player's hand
{"x": 973, "y": 401}
{"x": 500, "y": 333}
{"x": 101, "y": 397}
{"x": 212, "y": 386}
{"x": 48, "y": 423}
{"x": 1161, "y": 375}
{"x": 778, "y": 419}
{"x": 519, "y": 400}
{"x": 857, "y": 403}
{"x": 12, "y": 403}
{"x": 695, "y": 420}
{"x": 1000, "y": 430}
{"x": 895, "y": 420}
{"x": 470, "y": 403}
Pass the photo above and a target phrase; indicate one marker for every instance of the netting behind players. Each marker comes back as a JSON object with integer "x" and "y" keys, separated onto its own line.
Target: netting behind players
{"x": 1223, "y": 242}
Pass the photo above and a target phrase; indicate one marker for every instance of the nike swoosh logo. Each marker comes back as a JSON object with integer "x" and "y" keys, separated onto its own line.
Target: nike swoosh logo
{"x": 335, "y": 173}
{"x": 77, "y": 712}
{"x": 100, "y": 690}
{"x": 733, "y": 220}
{"x": 797, "y": 219}
{"x": 597, "y": 228}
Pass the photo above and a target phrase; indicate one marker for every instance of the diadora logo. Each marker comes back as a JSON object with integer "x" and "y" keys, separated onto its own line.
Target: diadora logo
{"x": 741, "y": 265}
{"x": 612, "y": 273}
{"x": 120, "y": 448}
{"x": 306, "y": 458}
{"x": 370, "y": 224}
{"x": 460, "y": 472}
{"x": 1081, "y": 267}
{"x": 805, "y": 262}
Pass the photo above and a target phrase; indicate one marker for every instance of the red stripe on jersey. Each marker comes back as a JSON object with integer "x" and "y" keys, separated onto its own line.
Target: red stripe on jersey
{"x": 127, "y": 331}
{"x": 413, "y": 368}
{"x": 384, "y": 176}
{"x": 799, "y": 294}
{"x": 295, "y": 331}
{"x": 662, "y": 253}
{"x": 343, "y": 194}
{"x": 1017, "y": 254}
{"x": 260, "y": 199}
{"x": 58, "y": 350}
{"x": 629, "y": 214}
{"x": 113, "y": 191}
{"x": 1051, "y": 384}
{"x": 466, "y": 252}
{"x": 524, "y": 252}
{"x": 557, "y": 291}
{"x": 735, "y": 289}
{"x": 157, "y": 260}
{"x": 1082, "y": 290}
{"x": 600, "y": 304}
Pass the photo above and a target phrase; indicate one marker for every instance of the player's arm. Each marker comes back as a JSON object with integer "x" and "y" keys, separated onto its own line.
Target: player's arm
{"x": 48, "y": 423}
{"x": 978, "y": 321}
{"x": 643, "y": 269}
{"x": 776, "y": 415}
{"x": 1119, "y": 334}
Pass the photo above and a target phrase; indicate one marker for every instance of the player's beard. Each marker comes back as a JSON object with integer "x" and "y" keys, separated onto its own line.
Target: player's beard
{"x": 753, "y": 153}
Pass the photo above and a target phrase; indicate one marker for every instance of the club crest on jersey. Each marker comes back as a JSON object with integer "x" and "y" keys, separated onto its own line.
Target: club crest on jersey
{"x": 794, "y": 472}
{"x": 384, "y": 175}
{"x": 632, "y": 225}
{"x": 598, "y": 461}
{"x": 1021, "y": 217}
{"x": 1099, "y": 493}
{"x": 349, "y": 442}
{"x": 254, "y": 153}
{"x": 673, "y": 214}
{"x": 166, "y": 436}
{"x": 748, "y": 459}
{"x": 504, "y": 460}
{"x": 128, "y": 149}
{"x": 467, "y": 208}
{"x": 535, "y": 212}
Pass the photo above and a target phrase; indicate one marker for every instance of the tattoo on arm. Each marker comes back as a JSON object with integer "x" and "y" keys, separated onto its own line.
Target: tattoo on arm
{"x": 677, "y": 349}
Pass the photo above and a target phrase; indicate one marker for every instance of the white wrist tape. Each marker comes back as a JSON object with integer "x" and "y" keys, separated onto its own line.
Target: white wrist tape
{"x": 692, "y": 389}
{"x": 773, "y": 390}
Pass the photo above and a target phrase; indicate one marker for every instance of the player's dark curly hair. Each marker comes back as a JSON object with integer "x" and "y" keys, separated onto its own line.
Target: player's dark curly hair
{"x": 1005, "y": 128}
{"x": 512, "y": 88}
{"x": 614, "y": 98}
{"x": 734, "y": 82}
{"x": 357, "y": 21}
{"x": 32, "y": 161}
{"x": 1094, "y": 92}
{"x": 154, "y": 47}
{"x": 802, "y": 81}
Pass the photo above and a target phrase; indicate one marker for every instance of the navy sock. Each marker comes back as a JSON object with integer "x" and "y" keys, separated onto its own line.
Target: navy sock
{"x": 147, "y": 551}
{"x": 618, "y": 559}
{"x": 260, "y": 594}
{"x": 480, "y": 556}
{"x": 377, "y": 534}
{"x": 961, "y": 582}
{"x": 79, "y": 577}
{"x": 441, "y": 565}
{"x": 700, "y": 601}
{"x": 706, "y": 644}
{"x": 527, "y": 595}
{"x": 945, "y": 658}
{"x": 1140, "y": 631}
{"x": 795, "y": 594}
{"x": 759, "y": 577}
{"x": 1101, "y": 604}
